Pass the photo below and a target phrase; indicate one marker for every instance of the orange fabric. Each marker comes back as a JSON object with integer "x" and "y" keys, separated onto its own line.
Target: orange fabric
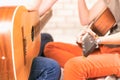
{"x": 100, "y": 65}
{"x": 61, "y": 52}
{"x": 77, "y": 67}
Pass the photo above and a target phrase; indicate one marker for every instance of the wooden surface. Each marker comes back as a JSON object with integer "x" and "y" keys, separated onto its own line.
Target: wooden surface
{"x": 19, "y": 40}
{"x": 45, "y": 18}
{"x": 17, "y": 48}
{"x": 104, "y": 23}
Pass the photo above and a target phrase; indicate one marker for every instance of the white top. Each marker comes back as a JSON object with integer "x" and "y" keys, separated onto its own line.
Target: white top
{"x": 114, "y": 6}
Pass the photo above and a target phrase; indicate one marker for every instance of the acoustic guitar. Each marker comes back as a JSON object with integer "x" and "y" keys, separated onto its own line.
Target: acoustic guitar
{"x": 103, "y": 23}
{"x": 19, "y": 41}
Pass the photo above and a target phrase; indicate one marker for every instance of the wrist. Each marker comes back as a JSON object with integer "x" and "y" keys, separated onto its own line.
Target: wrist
{"x": 98, "y": 40}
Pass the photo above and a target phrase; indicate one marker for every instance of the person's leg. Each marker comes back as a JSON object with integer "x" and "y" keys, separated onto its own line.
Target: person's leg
{"x": 44, "y": 69}
{"x": 100, "y": 65}
{"x": 45, "y": 38}
{"x": 61, "y": 52}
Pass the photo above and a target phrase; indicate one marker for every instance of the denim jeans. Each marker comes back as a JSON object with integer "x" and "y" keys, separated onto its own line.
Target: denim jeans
{"x": 44, "y": 69}
{"x": 45, "y": 38}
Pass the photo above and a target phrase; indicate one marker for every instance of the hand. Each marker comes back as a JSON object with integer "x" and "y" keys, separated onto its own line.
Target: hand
{"x": 83, "y": 32}
{"x": 80, "y": 35}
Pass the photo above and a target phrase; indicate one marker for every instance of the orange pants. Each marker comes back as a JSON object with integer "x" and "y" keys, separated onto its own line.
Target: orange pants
{"x": 103, "y": 62}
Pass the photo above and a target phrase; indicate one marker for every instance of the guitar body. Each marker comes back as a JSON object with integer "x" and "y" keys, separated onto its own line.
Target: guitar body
{"x": 19, "y": 43}
{"x": 103, "y": 23}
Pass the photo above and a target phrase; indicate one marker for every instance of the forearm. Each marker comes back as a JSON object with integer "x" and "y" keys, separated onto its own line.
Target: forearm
{"x": 87, "y": 15}
{"x": 32, "y": 5}
{"x": 111, "y": 39}
{"x": 45, "y": 5}
{"x": 83, "y": 12}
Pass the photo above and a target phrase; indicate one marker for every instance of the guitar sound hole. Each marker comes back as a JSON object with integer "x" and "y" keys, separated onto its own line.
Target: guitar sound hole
{"x": 32, "y": 33}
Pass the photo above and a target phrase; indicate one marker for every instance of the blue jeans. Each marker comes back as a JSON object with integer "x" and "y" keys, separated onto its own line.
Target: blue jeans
{"x": 44, "y": 69}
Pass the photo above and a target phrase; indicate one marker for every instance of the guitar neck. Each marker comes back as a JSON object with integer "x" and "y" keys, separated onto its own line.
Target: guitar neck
{"x": 45, "y": 18}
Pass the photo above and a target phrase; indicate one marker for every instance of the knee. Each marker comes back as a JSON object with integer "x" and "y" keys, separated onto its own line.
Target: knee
{"x": 75, "y": 66}
{"x": 71, "y": 65}
{"x": 52, "y": 67}
{"x": 43, "y": 61}
{"x": 46, "y": 64}
{"x": 49, "y": 45}
{"x": 46, "y": 37}
{"x": 48, "y": 48}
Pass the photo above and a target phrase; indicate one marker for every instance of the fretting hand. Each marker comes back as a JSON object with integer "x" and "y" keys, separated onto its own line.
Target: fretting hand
{"x": 83, "y": 32}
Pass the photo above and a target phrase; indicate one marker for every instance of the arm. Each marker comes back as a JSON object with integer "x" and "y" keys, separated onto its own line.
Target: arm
{"x": 32, "y": 5}
{"x": 87, "y": 15}
{"x": 111, "y": 39}
{"x": 40, "y": 5}
{"x": 45, "y": 5}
